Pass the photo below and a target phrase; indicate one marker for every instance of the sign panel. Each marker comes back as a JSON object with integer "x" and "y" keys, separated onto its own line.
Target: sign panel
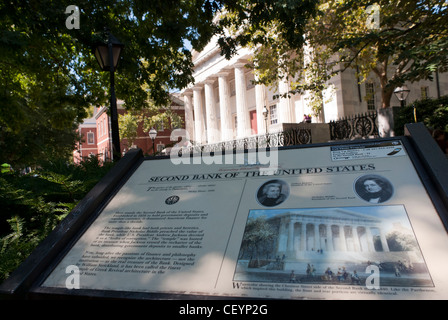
{"x": 326, "y": 222}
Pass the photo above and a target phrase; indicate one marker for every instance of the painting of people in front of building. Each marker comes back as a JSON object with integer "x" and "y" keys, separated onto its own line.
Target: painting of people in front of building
{"x": 331, "y": 245}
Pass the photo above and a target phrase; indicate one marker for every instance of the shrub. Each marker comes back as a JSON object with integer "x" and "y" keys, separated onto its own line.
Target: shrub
{"x": 33, "y": 204}
{"x": 432, "y": 112}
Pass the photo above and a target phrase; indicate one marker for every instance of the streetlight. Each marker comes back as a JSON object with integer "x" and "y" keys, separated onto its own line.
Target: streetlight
{"x": 107, "y": 55}
{"x": 153, "y": 135}
{"x": 402, "y": 93}
{"x": 265, "y": 114}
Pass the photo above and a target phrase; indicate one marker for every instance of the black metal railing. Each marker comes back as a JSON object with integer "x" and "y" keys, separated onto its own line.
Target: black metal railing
{"x": 289, "y": 137}
{"x": 361, "y": 126}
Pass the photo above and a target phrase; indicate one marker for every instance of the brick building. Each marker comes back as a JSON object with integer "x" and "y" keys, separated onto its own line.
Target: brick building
{"x": 87, "y": 146}
{"x": 96, "y": 137}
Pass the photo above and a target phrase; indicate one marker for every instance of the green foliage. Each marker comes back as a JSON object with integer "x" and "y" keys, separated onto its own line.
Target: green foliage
{"x": 128, "y": 124}
{"x": 33, "y": 204}
{"x": 165, "y": 116}
{"x": 276, "y": 32}
{"x": 407, "y": 44}
{"x": 258, "y": 237}
{"x": 50, "y": 77}
{"x": 432, "y": 112}
{"x": 259, "y": 22}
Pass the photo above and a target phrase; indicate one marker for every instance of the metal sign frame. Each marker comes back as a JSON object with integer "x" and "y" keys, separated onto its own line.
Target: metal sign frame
{"x": 25, "y": 282}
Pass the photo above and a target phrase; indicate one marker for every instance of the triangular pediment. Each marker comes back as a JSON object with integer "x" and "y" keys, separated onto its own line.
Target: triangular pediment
{"x": 329, "y": 213}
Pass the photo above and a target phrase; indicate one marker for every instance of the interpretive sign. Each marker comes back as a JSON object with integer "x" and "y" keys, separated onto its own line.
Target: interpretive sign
{"x": 326, "y": 222}
{"x": 332, "y": 221}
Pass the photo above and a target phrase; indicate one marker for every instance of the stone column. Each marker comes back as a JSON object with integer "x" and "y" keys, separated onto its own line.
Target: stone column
{"x": 224, "y": 107}
{"x": 281, "y": 236}
{"x": 286, "y": 112}
{"x": 303, "y": 237}
{"x": 383, "y": 241}
{"x": 210, "y": 111}
{"x": 242, "y": 113}
{"x": 356, "y": 242}
{"x": 369, "y": 238}
{"x": 198, "y": 116}
{"x": 342, "y": 239}
{"x": 291, "y": 236}
{"x": 189, "y": 120}
{"x": 330, "y": 238}
{"x": 316, "y": 237}
{"x": 260, "y": 101}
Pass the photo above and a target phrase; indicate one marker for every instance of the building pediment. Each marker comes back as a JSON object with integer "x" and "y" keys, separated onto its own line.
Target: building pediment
{"x": 328, "y": 214}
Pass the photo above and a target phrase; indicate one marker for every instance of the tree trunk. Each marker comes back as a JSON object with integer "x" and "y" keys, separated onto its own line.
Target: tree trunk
{"x": 386, "y": 95}
{"x": 386, "y": 91}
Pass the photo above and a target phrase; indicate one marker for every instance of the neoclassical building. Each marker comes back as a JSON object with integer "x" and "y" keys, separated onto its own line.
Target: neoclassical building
{"x": 326, "y": 231}
{"x": 224, "y": 104}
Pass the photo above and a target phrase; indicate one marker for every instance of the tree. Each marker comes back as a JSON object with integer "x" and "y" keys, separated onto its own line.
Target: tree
{"x": 276, "y": 31}
{"x": 258, "y": 22}
{"x": 151, "y": 117}
{"x": 49, "y": 75}
{"x": 407, "y": 42}
{"x": 398, "y": 241}
{"x": 258, "y": 238}
{"x": 395, "y": 41}
{"x": 128, "y": 124}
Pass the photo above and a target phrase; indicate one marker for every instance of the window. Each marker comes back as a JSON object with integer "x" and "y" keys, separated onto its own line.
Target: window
{"x": 90, "y": 138}
{"x": 104, "y": 126}
{"x": 424, "y": 91}
{"x": 370, "y": 96}
{"x": 273, "y": 114}
{"x": 160, "y": 147}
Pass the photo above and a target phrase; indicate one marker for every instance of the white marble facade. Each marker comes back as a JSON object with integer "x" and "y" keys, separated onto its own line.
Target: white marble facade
{"x": 223, "y": 104}
{"x": 327, "y": 231}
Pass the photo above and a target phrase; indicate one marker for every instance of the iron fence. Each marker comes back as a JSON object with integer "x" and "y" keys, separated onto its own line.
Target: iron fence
{"x": 361, "y": 126}
{"x": 289, "y": 137}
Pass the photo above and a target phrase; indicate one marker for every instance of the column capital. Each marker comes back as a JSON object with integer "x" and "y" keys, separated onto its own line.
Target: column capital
{"x": 223, "y": 73}
{"x": 210, "y": 81}
{"x": 197, "y": 87}
{"x": 240, "y": 65}
{"x": 187, "y": 92}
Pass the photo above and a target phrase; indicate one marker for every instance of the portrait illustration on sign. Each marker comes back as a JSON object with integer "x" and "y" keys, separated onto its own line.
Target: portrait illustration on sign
{"x": 272, "y": 193}
{"x": 373, "y": 188}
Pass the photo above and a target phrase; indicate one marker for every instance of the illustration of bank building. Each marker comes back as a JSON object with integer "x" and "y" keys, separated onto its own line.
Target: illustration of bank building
{"x": 333, "y": 235}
